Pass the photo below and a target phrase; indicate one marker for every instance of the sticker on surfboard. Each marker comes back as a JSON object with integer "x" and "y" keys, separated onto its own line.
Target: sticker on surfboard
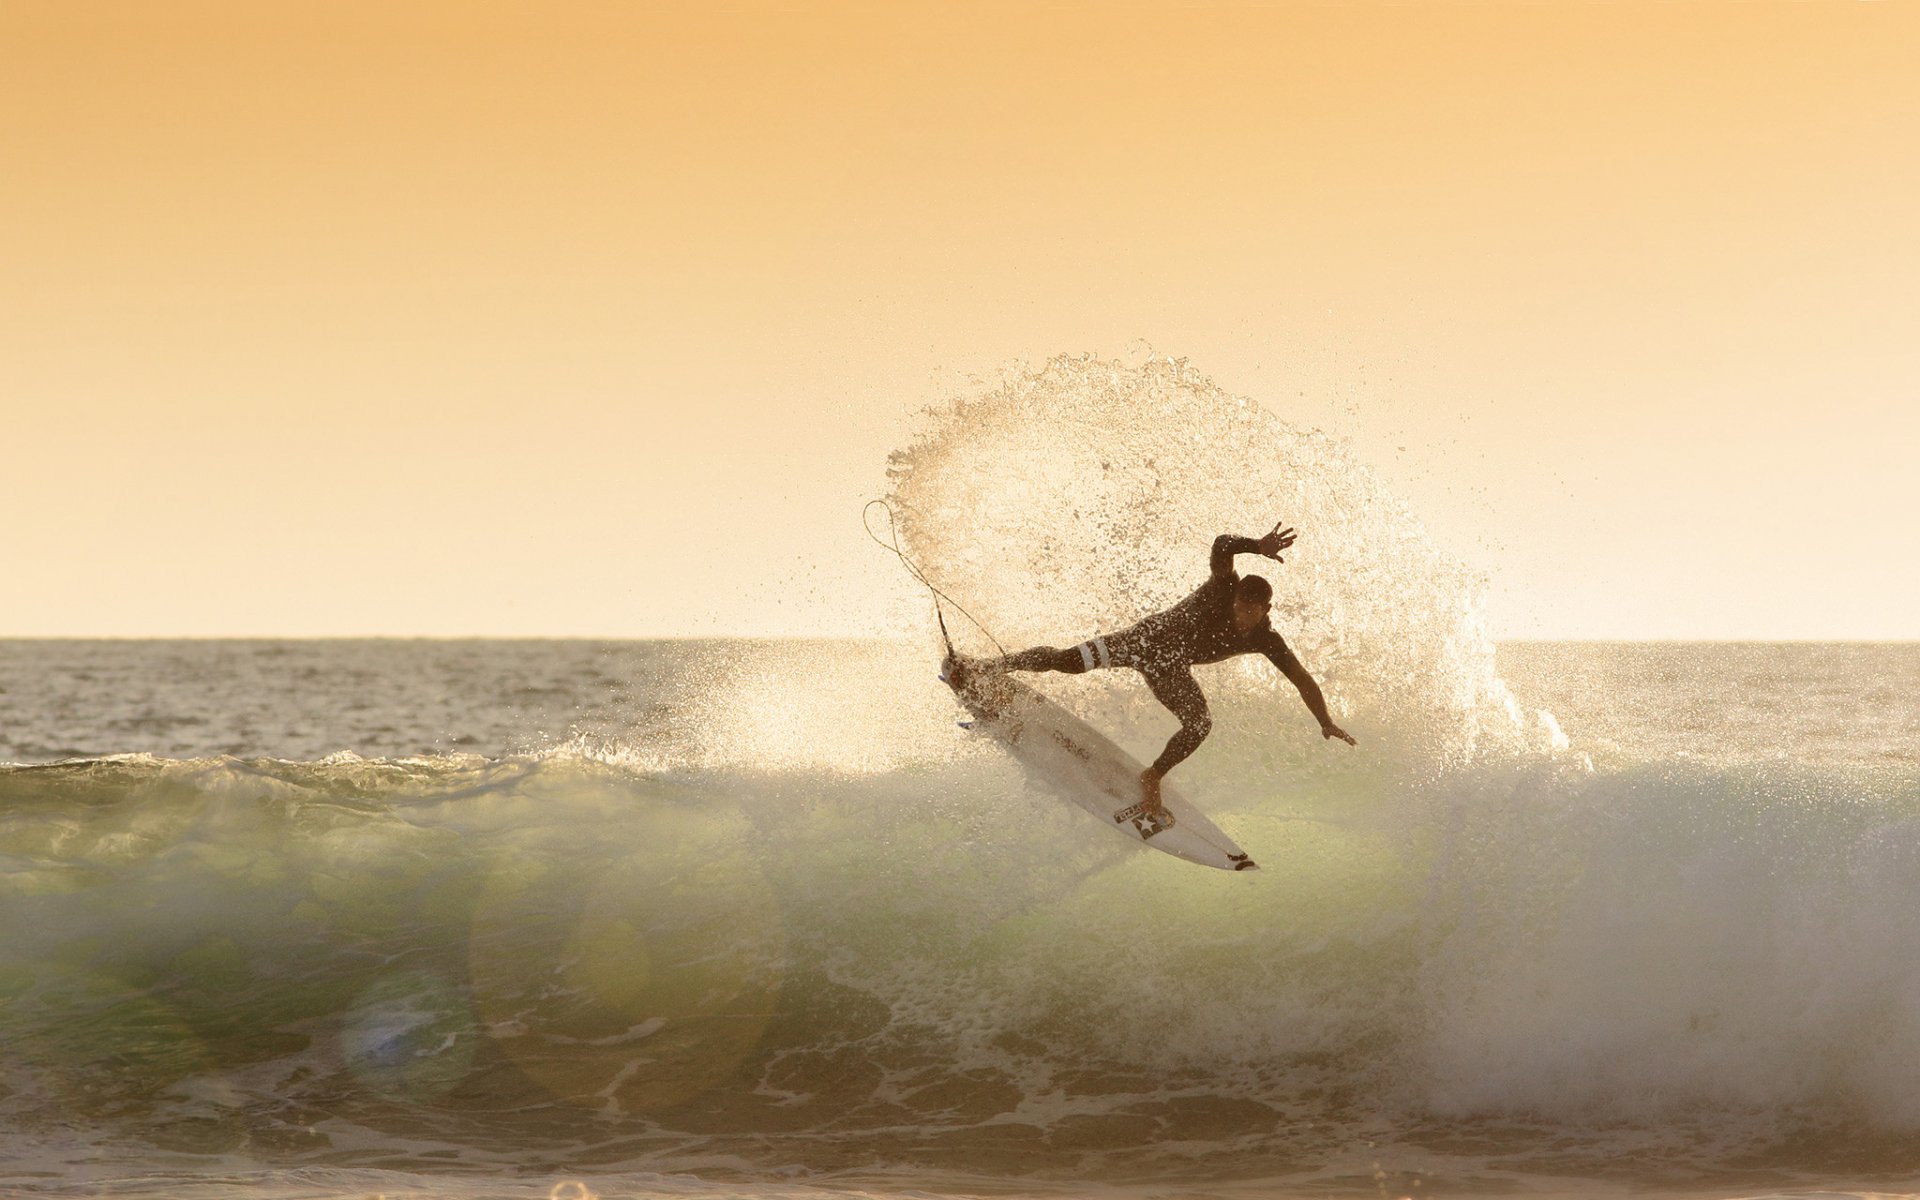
{"x": 1147, "y": 821}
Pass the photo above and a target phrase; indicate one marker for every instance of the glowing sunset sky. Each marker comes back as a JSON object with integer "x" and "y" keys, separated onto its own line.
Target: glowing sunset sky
{"x": 594, "y": 318}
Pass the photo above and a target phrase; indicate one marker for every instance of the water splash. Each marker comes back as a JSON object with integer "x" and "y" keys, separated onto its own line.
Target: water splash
{"x": 1083, "y": 495}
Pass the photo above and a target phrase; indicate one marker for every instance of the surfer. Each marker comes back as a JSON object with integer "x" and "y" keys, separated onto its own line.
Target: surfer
{"x": 1228, "y": 615}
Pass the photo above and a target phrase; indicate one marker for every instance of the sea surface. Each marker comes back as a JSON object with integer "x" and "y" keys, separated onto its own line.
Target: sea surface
{"x": 471, "y": 919}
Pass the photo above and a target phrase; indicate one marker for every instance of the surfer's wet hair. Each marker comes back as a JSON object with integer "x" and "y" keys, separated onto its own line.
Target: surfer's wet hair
{"x": 1254, "y": 589}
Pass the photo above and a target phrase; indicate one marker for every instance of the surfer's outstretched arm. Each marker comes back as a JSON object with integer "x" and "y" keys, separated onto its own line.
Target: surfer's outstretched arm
{"x": 1220, "y": 562}
{"x": 1283, "y": 657}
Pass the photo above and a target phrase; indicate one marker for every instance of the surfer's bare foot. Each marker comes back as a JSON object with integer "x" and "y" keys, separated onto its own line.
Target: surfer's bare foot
{"x": 961, "y": 670}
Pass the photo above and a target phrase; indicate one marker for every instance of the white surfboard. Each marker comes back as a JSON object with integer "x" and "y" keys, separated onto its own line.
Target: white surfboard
{"x": 1074, "y": 759}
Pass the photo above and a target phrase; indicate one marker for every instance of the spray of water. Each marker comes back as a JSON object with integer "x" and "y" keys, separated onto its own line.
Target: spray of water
{"x": 1083, "y": 495}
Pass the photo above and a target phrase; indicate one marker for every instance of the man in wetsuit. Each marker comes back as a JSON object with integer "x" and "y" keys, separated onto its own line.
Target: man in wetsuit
{"x": 1225, "y": 616}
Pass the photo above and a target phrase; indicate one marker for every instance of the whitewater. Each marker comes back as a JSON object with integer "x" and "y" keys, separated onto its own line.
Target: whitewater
{"x": 563, "y": 919}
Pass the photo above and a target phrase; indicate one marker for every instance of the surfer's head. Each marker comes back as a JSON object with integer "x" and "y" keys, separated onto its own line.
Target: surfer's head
{"x": 1252, "y": 598}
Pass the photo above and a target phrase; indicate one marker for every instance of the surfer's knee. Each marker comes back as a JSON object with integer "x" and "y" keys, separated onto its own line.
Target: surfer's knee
{"x": 1198, "y": 725}
{"x": 1089, "y": 655}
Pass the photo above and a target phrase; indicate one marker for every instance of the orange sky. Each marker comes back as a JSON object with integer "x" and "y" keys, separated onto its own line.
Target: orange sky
{"x": 596, "y": 318}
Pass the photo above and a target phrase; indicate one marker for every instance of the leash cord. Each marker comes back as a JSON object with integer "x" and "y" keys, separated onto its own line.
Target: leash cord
{"x": 913, "y": 568}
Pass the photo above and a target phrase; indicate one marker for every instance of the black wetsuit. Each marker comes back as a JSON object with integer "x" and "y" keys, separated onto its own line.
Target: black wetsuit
{"x": 1167, "y": 645}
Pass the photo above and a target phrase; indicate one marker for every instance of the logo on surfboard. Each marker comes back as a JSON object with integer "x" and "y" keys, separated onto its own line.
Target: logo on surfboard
{"x": 1148, "y": 823}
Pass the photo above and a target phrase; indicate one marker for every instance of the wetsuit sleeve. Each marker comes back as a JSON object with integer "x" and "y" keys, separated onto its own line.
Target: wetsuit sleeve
{"x": 1280, "y": 655}
{"x": 1225, "y": 547}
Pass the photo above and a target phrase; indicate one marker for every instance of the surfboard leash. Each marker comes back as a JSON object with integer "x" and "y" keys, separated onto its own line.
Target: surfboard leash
{"x": 913, "y": 569}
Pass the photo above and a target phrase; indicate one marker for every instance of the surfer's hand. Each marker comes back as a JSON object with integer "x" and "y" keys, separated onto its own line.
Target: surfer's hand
{"x": 1277, "y": 539}
{"x": 1330, "y": 730}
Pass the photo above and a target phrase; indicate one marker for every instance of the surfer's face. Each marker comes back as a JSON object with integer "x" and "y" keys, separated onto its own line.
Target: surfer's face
{"x": 1249, "y": 613}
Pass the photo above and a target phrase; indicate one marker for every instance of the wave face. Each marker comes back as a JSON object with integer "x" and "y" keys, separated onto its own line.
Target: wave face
{"x": 570, "y": 962}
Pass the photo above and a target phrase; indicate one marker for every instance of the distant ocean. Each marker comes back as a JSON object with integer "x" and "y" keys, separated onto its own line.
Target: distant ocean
{"x": 521, "y": 919}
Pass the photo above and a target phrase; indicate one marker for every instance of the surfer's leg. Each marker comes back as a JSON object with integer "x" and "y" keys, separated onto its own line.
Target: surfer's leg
{"x": 1073, "y": 660}
{"x": 1040, "y": 658}
{"x": 1175, "y": 688}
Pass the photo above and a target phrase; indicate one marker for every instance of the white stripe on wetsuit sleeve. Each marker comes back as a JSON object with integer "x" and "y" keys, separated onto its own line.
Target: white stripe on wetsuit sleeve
{"x": 1086, "y": 655}
{"x": 1100, "y": 648}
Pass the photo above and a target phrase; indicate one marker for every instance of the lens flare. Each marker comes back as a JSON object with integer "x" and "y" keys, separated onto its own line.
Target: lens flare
{"x": 409, "y": 1036}
{"x": 633, "y": 983}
